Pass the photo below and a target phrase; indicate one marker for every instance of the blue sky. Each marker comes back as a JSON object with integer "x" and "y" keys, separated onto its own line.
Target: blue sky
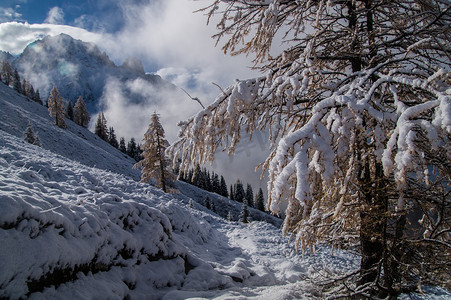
{"x": 94, "y": 15}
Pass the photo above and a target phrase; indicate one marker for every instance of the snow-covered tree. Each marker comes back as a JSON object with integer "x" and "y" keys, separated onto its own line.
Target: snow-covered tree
{"x": 101, "y": 128}
{"x": 81, "y": 114}
{"x": 191, "y": 203}
{"x": 154, "y": 164}
{"x": 357, "y": 104}
{"x": 132, "y": 148}
{"x": 56, "y": 107}
{"x": 230, "y": 216}
{"x": 29, "y": 135}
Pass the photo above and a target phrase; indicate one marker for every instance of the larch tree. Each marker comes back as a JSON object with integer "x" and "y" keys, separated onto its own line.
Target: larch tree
{"x": 81, "y": 114}
{"x": 56, "y": 107}
{"x": 154, "y": 165}
{"x": 358, "y": 107}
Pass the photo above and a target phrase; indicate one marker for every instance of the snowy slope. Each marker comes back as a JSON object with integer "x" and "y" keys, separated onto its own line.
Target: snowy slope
{"x": 69, "y": 230}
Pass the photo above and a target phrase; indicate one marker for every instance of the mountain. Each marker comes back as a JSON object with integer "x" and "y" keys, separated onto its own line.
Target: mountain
{"x": 78, "y": 68}
{"x": 75, "y": 223}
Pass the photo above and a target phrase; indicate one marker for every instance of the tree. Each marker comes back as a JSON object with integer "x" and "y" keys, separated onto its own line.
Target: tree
{"x": 357, "y": 107}
{"x": 215, "y": 184}
{"x": 122, "y": 146}
{"x": 112, "y": 137}
{"x": 7, "y": 73}
{"x": 244, "y": 214}
{"x": 56, "y": 107}
{"x": 154, "y": 164}
{"x": 249, "y": 195}
{"x": 81, "y": 114}
{"x": 30, "y": 137}
{"x": 239, "y": 194}
{"x": 69, "y": 111}
{"x": 223, "y": 188}
{"x": 16, "y": 82}
{"x": 37, "y": 97}
{"x": 132, "y": 148}
{"x": 229, "y": 216}
{"x": 232, "y": 193}
{"x": 101, "y": 129}
{"x": 259, "y": 202}
{"x": 207, "y": 203}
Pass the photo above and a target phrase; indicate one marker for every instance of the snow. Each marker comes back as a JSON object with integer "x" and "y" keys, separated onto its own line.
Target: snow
{"x": 75, "y": 223}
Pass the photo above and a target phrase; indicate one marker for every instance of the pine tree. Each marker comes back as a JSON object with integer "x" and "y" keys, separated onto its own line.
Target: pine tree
{"x": 154, "y": 165}
{"x": 259, "y": 202}
{"x": 223, "y": 188}
{"x": 229, "y": 216}
{"x": 101, "y": 129}
{"x": 7, "y": 73}
{"x": 37, "y": 97}
{"x": 191, "y": 204}
{"x": 244, "y": 214}
{"x": 131, "y": 148}
{"x": 16, "y": 82}
{"x": 239, "y": 195}
{"x": 232, "y": 193}
{"x": 215, "y": 184}
{"x": 69, "y": 111}
{"x": 122, "y": 146}
{"x": 81, "y": 114}
{"x": 112, "y": 137}
{"x": 249, "y": 195}
{"x": 56, "y": 107}
{"x": 213, "y": 206}
{"x": 207, "y": 203}
{"x": 29, "y": 135}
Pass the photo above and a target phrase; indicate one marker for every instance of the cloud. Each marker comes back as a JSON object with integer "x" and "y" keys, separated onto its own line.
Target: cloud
{"x": 55, "y": 16}
{"x": 15, "y": 36}
{"x": 130, "y": 119}
{"x": 9, "y": 14}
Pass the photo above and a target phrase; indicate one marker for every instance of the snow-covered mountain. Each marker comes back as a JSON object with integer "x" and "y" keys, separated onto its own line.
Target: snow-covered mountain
{"x": 76, "y": 224}
{"x": 78, "y": 68}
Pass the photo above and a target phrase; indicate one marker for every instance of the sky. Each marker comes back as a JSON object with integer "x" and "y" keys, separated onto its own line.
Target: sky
{"x": 166, "y": 35}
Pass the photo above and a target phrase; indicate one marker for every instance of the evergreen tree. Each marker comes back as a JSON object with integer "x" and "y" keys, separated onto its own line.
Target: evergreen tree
{"x": 239, "y": 195}
{"x": 131, "y": 148}
{"x": 81, "y": 114}
{"x": 249, "y": 195}
{"x": 259, "y": 202}
{"x": 207, "y": 203}
{"x": 244, "y": 214}
{"x": 191, "y": 204}
{"x": 37, "y": 97}
{"x": 7, "y": 73}
{"x": 154, "y": 165}
{"x": 69, "y": 111}
{"x": 16, "y": 82}
{"x": 25, "y": 87}
{"x": 112, "y": 137}
{"x": 230, "y": 216}
{"x": 29, "y": 135}
{"x": 101, "y": 128}
{"x": 37, "y": 140}
{"x": 223, "y": 188}
{"x": 232, "y": 193}
{"x": 56, "y": 107}
{"x": 122, "y": 146}
{"x": 197, "y": 176}
{"x": 215, "y": 184}
{"x": 213, "y": 206}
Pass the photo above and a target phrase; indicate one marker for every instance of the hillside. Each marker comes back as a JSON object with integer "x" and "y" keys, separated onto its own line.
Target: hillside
{"x": 76, "y": 224}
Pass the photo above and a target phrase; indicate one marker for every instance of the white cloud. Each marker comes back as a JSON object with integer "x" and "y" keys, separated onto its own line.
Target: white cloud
{"x": 55, "y": 16}
{"x": 9, "y": 14}
{"x": 14, "y": 36}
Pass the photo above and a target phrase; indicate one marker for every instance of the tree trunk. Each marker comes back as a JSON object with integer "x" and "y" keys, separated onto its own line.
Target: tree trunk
{"x": 161, "y": 158}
